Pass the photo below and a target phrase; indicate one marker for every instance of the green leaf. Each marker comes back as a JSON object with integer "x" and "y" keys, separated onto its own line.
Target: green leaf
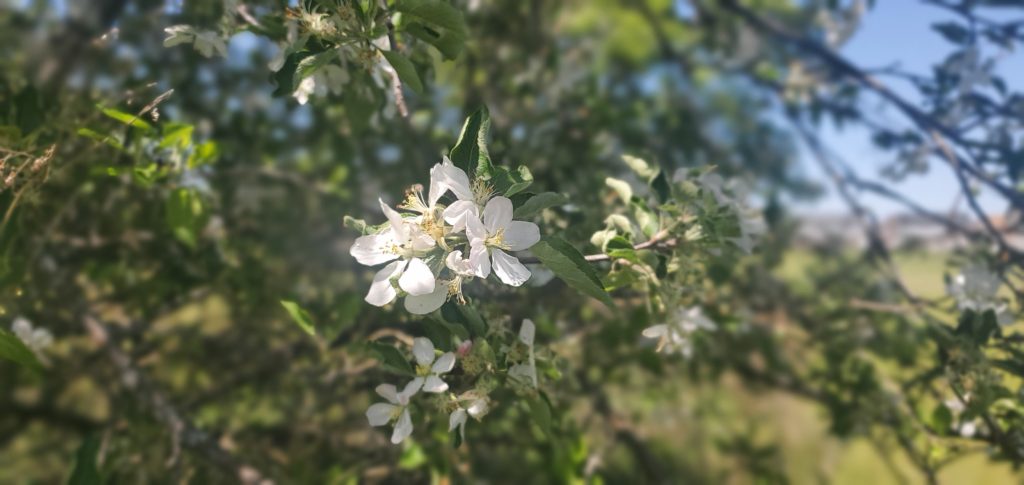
{"x": 406, "y": 71}
{"x": 285, "y": 77}
{"x": 100, "y": 137}
{"x": 86, "y": 472}
{"x": 509, "y": 183}
{"x": 300, "y": 316}
{"x": 942, "y": 419}
{"x": 309, "y": 65}
{"x": 540, "y": 411}
{"x": 569, "y": 265}
{"x": 204, "y": 153}
{"x": 470, "y": 151}
{"x": 128, "y": 119}
{"x": 13, "y": 349}
{"x": 390, "y": 358}
{"x": 435, "y": 22}
{"x": 177, "y": 135}
{"x": 539, "y": 202}
{"x": 661, "y": 187}
{"x": 186, "y": 215}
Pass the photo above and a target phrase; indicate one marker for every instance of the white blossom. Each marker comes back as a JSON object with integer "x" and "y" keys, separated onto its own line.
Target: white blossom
{"x": 478, "y": 407}
{"x": 402, "y": 243}
{"x": 675, "y": 335}
{"x": 526, "y": 371}
{"x": 36, "y": 339}
{"x": 976, "y": 289}
{"x": 429, "y": 369}
{"x": 206, "y": 42}
{"x": 496, "y": 234}
{"x": 396, "y": 409}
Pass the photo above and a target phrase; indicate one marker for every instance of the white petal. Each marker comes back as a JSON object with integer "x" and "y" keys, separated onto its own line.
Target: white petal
{"x": 434, "y": 384}
{"x": 521, "y": 235}
{"x": 380, "y": 414}
{"x": 460, "y": 266}
{"x": 423, "y": 350}
{"x": 403, "y": 428}
{"x": 417, "y": 279}
{"x": 497, "y": 214}
{"x": 524, "y": 372}
{"x": 656, "y": 331}
{"x": 457, "y": 418}
{"x": 457, "y": 180}
{"x": 527, "y": 332}
{"x": 480, "y": 260}
{"x": 389, "y": 392}
{"x": 382, "y": 291}
{"x": 410, "y": 390}
{"x": 424, "y": 304}
{"x": 419, "y": 240}
{"x": 475, "y": 230}
{"x": 374, "y": 249}
{"x": 460, "y": 212}
{"x": 398, "y": 225}
{"x": 444, "y": 363}
{"x": 478, "y": 408}
{"x": 509, "y": 270}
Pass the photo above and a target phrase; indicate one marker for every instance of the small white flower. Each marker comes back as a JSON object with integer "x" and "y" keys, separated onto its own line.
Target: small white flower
{"x": 396, "y": 409}
{"x": 675, "y": 336}
{"x": 206, "y": 42}
{"x": 404, "y": 241}
{"x": 304, "y": 90}
{"x": 36, "y": 339}
{"x": 478, "y": 407}
{"x": 526, "y": 371}
{"x": 444, "y": 177}
{"x": 976, "y": 289}
{"x": 430, "y": 369}
{"x": 496, "y": 234}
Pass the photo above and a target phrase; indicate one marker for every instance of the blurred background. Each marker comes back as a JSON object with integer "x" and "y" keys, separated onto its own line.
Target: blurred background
{"x": 158, "y": 203}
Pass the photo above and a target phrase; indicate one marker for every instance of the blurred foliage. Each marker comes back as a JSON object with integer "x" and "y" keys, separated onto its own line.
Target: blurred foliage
{"x": 169, "y": 216}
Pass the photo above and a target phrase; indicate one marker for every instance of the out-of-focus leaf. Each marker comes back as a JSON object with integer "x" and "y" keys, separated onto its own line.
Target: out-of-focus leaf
{"x": 86, "y": 472}
{"x": 390, "y": 358}
{"x": 186, "y": 215}
{"x": 128, "y": 119}
{"x": 406, "y": 71}
{"x": 568, "y": 264}
{"x": 539, "y": 202}
{"x": 435, "y": 22}
{"x": 13, "y": 349}
{"x": 300, "y": 316}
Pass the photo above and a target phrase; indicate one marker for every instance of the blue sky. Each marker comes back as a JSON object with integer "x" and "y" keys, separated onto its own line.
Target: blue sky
{"x": 899, "y": 31}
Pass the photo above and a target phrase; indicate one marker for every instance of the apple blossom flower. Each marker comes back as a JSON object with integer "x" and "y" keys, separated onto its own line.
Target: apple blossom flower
{"x": 675, "y": 336}
{"x": 478, "y": 407}
{"x": 429, "y": 368}
{"x": 444, "y": 177}
{"x": 496, "y": 234}
{"x": 36, "y": 339}
{"x": 402, "y": 243}
{"x": 526, "y": 371}
{"x": 396, "y": 409}
{"x": 976, "y": 289}
{"x": 206, "y": 42}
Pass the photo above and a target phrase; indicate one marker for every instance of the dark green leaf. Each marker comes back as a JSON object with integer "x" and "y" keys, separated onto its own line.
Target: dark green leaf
{"x": 568, "y": 264}
{"x": 13, "y": 349}
{"x": 406, "y": 71}
{"x": 467, "y": 153}
{"x": 539, "y": 202}
{"x": 390, "y": 358}
{"x": 126, "y": 118}
{"x": 435, "y": 22}
{"x": 86, "y": 472}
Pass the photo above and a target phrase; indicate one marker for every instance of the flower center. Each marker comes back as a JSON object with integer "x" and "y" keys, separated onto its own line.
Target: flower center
{"x": 497, "y": 240}
{"x": 422, "y": 370}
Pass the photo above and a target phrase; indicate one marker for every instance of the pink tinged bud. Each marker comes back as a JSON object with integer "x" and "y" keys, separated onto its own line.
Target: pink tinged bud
{"x": 464, "y": 348}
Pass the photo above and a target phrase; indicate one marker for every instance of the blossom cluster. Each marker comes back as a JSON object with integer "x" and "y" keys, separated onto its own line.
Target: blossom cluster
{"x": 675, "y": 334}
{"x": 432, "y": 249}
{"x": 431, "y": 366}
{"x": 976, "y": 288}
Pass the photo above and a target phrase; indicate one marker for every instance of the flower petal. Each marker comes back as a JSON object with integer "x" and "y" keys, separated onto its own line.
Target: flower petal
{"x": 497, "y": 214}
{"x": 656, "y": 331}
{"x": 479, "y": 260}
{"x": 457, "y": 418}
{"x": 410, "y": 390}
{"x": 527, "y": 332}
{"x": 423, "y": 350}
{"x": 444, "y": 363}
{"x": 460, "y": 212}
{"x": 424, "y": 304}
{"x": 478, "y": 408}
{"x": 380, "y": 414}
{"x": 434, "y": 384}
{"x": 389, "y": 392}
{"x": 509, "y": 270}
{"x": 398, "y": 225}
{"x": 374, "y": 249}
{"x": 417, "y": 279}
{"x": 457, "y": 180}
{"x": 382, "y": 291}
{"x": 403, "y": 428}
{"x": 520, "y": 235}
